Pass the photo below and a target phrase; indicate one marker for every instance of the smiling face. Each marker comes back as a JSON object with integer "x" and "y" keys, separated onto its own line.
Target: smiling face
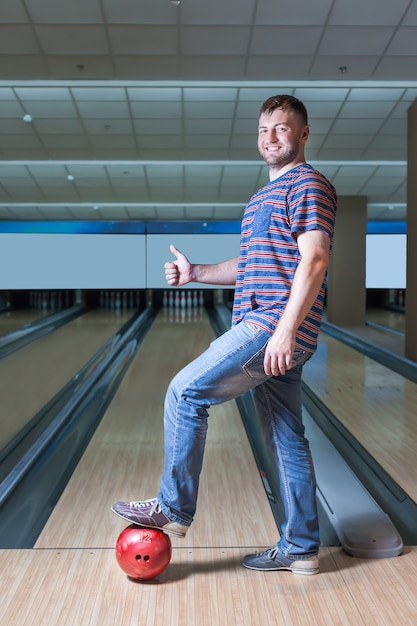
{"x": 282, "y": 135}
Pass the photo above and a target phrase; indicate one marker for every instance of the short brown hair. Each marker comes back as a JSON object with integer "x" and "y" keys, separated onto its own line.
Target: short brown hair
{"x": 285, "y": 102}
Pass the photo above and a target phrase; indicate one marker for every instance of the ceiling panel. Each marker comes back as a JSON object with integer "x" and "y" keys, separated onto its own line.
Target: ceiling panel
{"x": 402, "y": 67}
{"x": 62, "y": 12}
{"x": 285, "y": 40}
{"x": 369, "y": 40}
{"x": 217, "y": 12}
{"x": 148, "y": 102}
{"x": 403, "y": 42}
{"x": 57, "y": 39}
{"x": 229, "y": 40}
{"x": 373, "y": 12}
{"x": 18, "y": 39}
{"x": 133, "y": 12}
{"x": 143, "y": 40}
{"x": 410, "y": 17}
{"x": 298, "y": 12}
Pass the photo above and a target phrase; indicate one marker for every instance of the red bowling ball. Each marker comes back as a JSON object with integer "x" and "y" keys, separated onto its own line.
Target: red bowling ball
{"x": 143, "y": 553}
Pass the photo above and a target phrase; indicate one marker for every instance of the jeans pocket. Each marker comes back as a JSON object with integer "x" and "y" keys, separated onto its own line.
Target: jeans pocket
{"x": 254, "y": 367}
{"x": 300, "y": 357}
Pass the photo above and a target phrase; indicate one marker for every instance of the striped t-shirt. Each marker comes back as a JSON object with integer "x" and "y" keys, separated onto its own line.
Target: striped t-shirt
{"x": 302, "y": 199}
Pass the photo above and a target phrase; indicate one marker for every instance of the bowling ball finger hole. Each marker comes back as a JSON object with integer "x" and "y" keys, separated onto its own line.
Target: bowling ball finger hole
{"x": 143, "y": 554}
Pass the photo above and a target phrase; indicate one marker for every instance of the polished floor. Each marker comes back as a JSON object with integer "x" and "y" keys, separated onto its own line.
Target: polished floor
{"x": 71, "y": 575}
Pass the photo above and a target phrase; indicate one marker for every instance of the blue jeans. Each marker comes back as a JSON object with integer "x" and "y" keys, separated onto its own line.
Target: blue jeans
{"x": 231, "y": 366}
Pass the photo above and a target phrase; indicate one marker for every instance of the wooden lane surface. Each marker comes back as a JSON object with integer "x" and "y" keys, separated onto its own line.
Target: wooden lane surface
{"x": 13, "y": 320}
{"x": 30, "y": 377}
{"x": 72, "y": 578}
{"x": 375, "y": 404}
{"x": 124, "y": 460}
{"x": 381, "y": 335}
{"x": 393, "y": 320}
{"x": 204, "y": 587}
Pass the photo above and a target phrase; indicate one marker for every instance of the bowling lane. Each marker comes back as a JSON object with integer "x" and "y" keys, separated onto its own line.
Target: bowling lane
{"x": 124, "y": 459}
{"x": 375, "y": 404}
{"x": 30, "y": 377}
{"x": 383, "y": 328}
{"x": 203, "y": 585}
{"x": 391, "y": 320}
{"x": 13, "y": 320}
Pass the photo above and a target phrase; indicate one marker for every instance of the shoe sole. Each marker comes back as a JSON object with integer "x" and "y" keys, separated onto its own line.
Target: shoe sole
{"x": 295, "y": 569}
{"x": 168, "y": 531}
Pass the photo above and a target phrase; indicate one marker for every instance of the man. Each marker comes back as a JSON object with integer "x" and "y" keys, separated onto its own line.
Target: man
{"x": 279, "y": 281}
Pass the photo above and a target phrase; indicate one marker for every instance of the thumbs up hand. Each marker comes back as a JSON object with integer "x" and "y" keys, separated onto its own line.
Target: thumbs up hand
{"x": 178, "y": 272}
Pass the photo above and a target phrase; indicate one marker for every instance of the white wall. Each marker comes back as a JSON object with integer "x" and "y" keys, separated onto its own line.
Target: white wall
{"x": 386, "y": 261}
{"x": 136, "y": 261}
{"x": 72, "y": 261}
{"x": 197, "y": 248}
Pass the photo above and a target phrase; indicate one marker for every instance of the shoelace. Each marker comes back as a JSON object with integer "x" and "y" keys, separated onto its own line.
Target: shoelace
{"x": 145, "y": 503}
{"x": 271, "y": 552}
{"x": 155, "y": 508}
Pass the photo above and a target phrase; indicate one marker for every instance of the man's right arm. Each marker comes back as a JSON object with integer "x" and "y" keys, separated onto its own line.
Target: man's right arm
{"x": 181, "y": 271}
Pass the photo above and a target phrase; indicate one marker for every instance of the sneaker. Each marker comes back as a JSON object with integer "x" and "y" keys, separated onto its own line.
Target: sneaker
{"x": 272, "y": 560}
{"x": 148, "y": 513}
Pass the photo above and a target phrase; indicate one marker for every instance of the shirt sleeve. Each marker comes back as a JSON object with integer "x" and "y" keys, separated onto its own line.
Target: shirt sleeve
{"x": 312, "y": 204}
